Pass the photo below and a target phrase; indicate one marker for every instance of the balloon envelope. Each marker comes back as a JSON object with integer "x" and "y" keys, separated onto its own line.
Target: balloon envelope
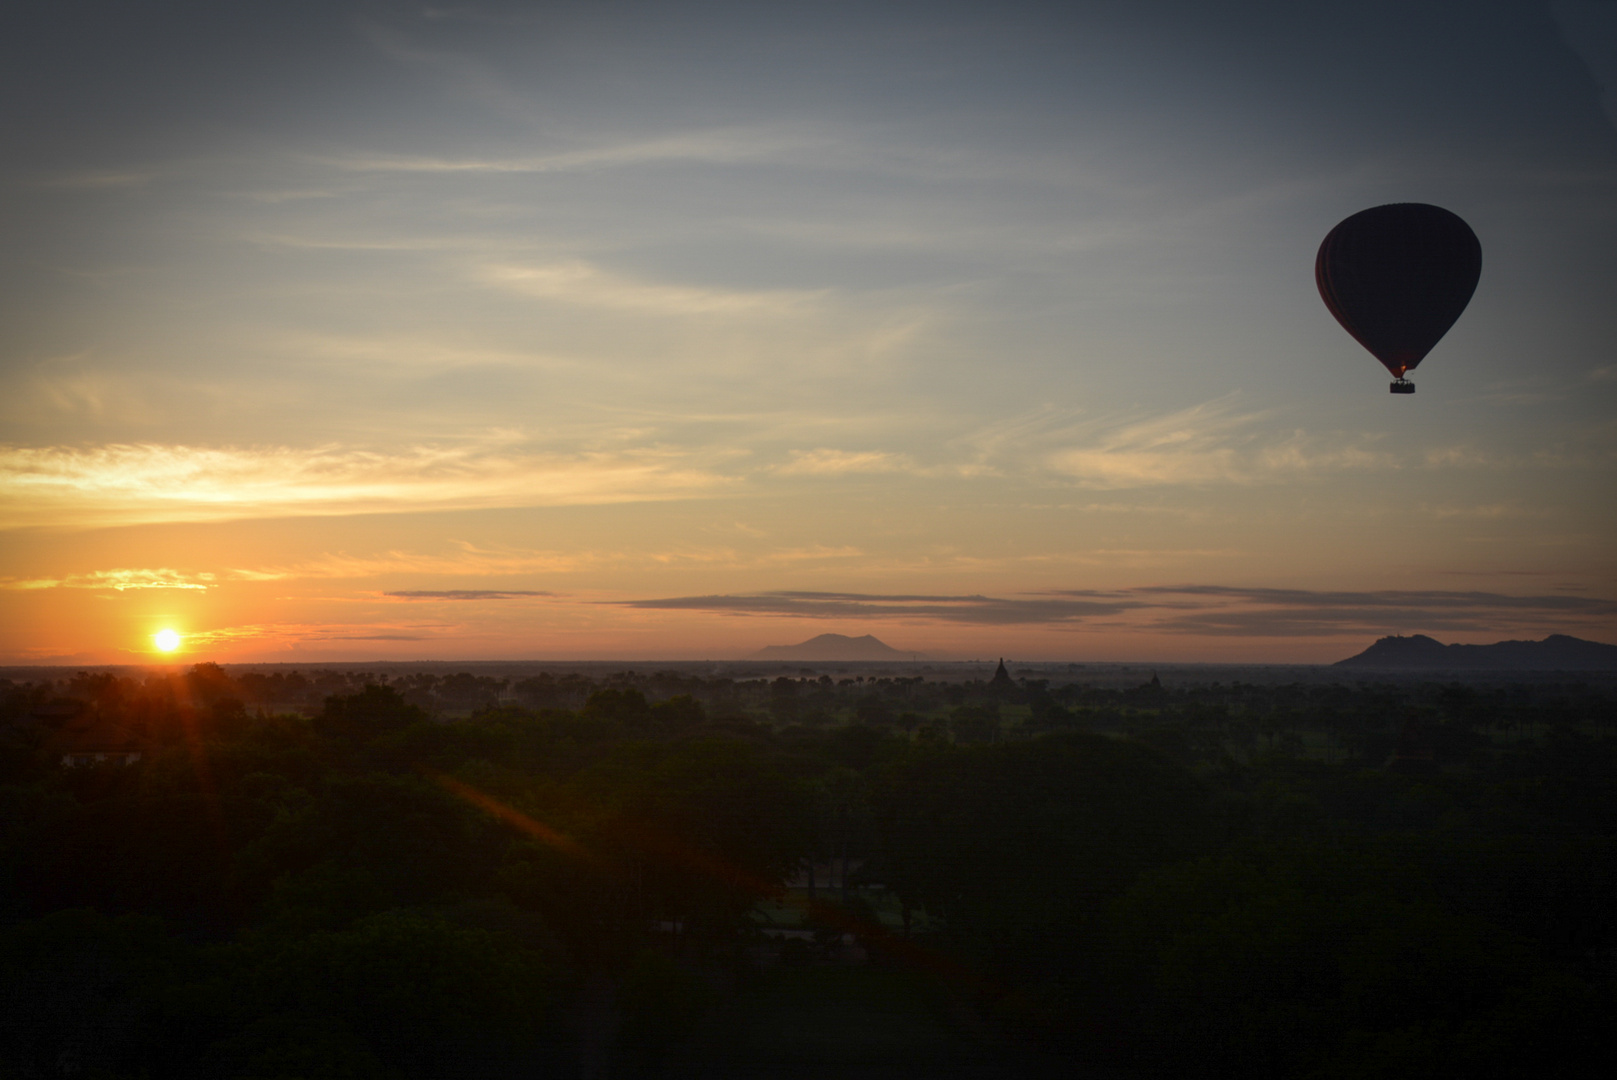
{"x": 1397, "y": 277}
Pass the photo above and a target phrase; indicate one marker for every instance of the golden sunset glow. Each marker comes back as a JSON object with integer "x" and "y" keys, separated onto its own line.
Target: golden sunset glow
{"x": 166, "y": 640}
{"x": 732, "y": 350}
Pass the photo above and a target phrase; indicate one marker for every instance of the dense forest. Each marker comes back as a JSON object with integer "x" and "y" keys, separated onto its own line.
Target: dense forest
{"x": 332, "y": 875}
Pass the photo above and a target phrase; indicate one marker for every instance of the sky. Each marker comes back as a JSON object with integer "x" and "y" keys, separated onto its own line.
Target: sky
{"x": 383, "y": 330}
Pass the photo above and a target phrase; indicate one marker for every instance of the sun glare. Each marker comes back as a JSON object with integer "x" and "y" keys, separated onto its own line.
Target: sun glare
{"x": 166, "y": 640}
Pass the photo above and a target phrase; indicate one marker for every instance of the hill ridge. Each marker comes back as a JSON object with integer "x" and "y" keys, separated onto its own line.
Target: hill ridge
{"x": 833, "y": 647}
{"x": 1557, "y": 652}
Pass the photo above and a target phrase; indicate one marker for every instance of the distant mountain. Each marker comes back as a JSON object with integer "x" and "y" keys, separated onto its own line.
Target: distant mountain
{"x": 1558, "y": 652}
{"x": 829, "y": 647}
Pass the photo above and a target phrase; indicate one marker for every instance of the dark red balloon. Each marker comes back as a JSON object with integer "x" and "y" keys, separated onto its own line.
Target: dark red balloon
{"x": 1397, "y": 277}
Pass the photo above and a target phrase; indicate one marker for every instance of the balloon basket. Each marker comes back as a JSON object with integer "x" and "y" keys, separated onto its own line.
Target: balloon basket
{"x": 1402, "y": 386}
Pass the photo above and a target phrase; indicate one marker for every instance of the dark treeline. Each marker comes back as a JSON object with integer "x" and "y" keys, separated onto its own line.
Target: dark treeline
{"x": 330, "y": 876}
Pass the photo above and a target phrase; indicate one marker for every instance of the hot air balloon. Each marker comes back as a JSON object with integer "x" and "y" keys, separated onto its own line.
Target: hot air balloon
{"x": 1397, "y": 277}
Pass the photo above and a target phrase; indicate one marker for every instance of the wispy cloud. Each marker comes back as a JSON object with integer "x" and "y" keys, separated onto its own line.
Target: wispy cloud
{"x": 150, "y": 482}
{"x": 96, "y": 396}
{"x": 468, "y": 594}
{"x": 1210, "y": 443}
{"x": 831, "y": 462}
{"x": 467, "y": 560}
{"x": 1188, "y": 609}
{"x": 117, "y": 579}
{"x": 1483, "y": 512}
{"x": 103, "y": 178}
{"x": 579, "y": 282}
{"x": 385, "y": 354}
{"x": 1248, "y": 612}
{"x": 293, "y": 636}
{"x": 825, "y": 462}
{"x": 983, "y": 610}
{"x": 714, "y": 146}
{"x": 1460, "y": 456}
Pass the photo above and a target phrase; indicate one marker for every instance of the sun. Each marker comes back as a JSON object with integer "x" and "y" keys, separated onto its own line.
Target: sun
{"x": 166, "y": 640}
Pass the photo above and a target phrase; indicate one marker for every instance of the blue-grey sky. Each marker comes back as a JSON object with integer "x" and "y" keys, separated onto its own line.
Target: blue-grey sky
{"x": 677, "y": 329}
